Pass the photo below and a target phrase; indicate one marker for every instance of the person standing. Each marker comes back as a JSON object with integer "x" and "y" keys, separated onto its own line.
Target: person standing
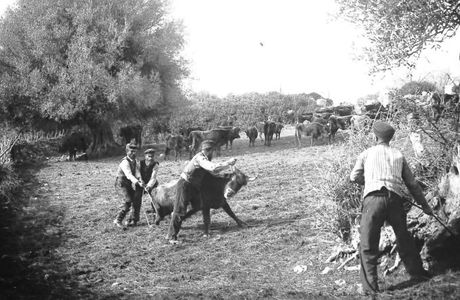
{"x": 130, "y": 185}
{"x": 149, "y": 170}
{"x": 189, "y": 184}
{"x": 385, "y": 172}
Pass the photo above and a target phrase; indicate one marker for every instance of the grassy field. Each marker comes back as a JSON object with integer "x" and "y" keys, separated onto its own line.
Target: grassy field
{"x": 71, "y": 249}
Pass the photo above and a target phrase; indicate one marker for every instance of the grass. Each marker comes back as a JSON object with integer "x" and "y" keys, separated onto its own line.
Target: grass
{"x": 68, "y": 248}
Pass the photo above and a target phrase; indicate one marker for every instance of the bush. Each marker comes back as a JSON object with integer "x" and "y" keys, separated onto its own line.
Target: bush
{"x": 344, "y": 194}
{"x": 9, "y": 185}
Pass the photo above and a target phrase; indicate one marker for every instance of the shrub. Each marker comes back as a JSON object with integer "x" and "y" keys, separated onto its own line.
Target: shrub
{"x": 345, "y": 196}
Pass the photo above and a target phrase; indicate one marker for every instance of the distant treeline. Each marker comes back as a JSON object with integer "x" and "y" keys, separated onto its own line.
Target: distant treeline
{"x": 204, "y": 110}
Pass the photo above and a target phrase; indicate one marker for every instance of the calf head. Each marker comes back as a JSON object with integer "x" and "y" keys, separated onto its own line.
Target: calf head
{"x": 237, "y": 180}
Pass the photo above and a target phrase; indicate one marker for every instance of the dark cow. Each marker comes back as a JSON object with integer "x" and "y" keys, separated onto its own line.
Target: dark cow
{"x": 335, "y": 123}
{"x": 72, "y": 144}
{"x": 215, "y": 192}
{"x": 251, "y": 132}
{"x": 234, "y": 134}
{"x": 176, "y": 143}
{"x": 131, "y": 132}
{"x": 278, "y": 129}
{"x": 218, "y": 136}
{"x": 314, "y": 130}
{"x": 269, "y": 130}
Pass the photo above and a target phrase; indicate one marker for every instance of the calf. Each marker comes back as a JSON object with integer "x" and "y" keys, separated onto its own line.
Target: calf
{"x": 251, "y": 132}
{"x": 215, "y": 191}
{"x": 314, "y": 130}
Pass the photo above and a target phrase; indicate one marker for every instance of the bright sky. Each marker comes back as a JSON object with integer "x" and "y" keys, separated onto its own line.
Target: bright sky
{"x": 304, "y": 49}
{"x": 292, "y": 46}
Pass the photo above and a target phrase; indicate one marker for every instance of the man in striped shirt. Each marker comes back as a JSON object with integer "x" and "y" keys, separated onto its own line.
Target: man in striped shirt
{"x": 385, "y": 174}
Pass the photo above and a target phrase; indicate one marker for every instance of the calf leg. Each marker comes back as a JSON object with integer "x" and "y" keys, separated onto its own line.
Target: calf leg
{"x": 230, "y": 212}
{"x": 206, "y": 220}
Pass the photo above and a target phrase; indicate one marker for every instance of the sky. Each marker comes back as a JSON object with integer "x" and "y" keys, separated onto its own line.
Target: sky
{"x": 289, "y": 46}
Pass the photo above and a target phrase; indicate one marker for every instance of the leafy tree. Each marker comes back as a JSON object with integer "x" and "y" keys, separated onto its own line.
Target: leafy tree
{"x": 89, "y": 62}
{"x": 398, "y": 30}
{"x": 417, "y": 88}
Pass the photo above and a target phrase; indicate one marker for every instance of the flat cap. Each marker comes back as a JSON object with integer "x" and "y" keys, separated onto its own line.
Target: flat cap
{"x": 383, "y": 130}
{"x": 131, "y": 146}
{"x": 207, "y": 144}
{"x": 149, "y": 151}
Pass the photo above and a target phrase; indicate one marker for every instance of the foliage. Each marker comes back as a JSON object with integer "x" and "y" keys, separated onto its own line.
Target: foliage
{"x": 415, "y": 114}
{"x": 398, "y": 30}
{"x": 417, "y": 88}
{"x": 336, "y": 185}
{"x": 208, "y": 111}
{"x": 88, "y": 60}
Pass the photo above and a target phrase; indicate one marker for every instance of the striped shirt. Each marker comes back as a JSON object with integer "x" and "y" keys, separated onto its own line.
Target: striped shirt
{"x": 383, "y": 166}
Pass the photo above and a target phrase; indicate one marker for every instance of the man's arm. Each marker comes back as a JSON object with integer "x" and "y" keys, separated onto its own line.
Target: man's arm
{"x": 153, "y": 177}
{"x": 124, "y": 165}
{"x": 357, "y": 173}
{"x": 414, "y": 188}
{"x": 213, "y": 167}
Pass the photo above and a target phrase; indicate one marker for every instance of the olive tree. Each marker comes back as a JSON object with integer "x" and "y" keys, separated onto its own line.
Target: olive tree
{"x": 398, "y": 30}
{"x": 88, "y": 62}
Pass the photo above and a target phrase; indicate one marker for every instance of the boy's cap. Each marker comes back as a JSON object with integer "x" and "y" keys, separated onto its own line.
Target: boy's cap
{"x": 383, "y": 130}
{"x": 208, "y": 144}
{"x": 149, "y": 151}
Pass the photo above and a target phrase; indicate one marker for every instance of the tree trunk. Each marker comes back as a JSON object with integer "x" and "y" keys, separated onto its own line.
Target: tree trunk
{"x": 102, "y": 141}
{"x": 440, "y": 245}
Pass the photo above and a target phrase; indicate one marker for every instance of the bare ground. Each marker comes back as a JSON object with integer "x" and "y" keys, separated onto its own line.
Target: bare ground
{"x": 80, "y": 254}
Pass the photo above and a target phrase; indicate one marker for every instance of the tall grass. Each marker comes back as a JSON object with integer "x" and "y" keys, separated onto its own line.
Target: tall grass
{"x": 345, "y": 196}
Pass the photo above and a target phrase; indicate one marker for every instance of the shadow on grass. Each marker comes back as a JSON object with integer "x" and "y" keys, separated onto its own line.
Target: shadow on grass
{"x": 31, "y": 231}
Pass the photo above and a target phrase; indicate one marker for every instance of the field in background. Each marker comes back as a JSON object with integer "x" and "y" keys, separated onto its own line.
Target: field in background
{"x": 74, "y": 204}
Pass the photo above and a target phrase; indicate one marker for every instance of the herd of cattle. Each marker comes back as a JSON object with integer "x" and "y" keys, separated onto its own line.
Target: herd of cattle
{"x": 190, "y": 139}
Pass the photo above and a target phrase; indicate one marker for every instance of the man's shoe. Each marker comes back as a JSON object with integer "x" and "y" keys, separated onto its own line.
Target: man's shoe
{"x": 118, "y": 223}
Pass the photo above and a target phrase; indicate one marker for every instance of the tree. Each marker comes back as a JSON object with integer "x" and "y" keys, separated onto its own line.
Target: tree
{"x": 417, "y": 88}
{"x": 399, "y": 30}
{"x": 89, "y": 62}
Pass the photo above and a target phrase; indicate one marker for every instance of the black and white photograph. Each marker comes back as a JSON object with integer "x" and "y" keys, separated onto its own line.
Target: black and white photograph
{"x": 229, "y": 149}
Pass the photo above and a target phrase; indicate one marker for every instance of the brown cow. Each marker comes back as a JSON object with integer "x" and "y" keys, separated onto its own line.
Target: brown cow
{"x": 314, "y": 130}
{"x": 215, "y": 191}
